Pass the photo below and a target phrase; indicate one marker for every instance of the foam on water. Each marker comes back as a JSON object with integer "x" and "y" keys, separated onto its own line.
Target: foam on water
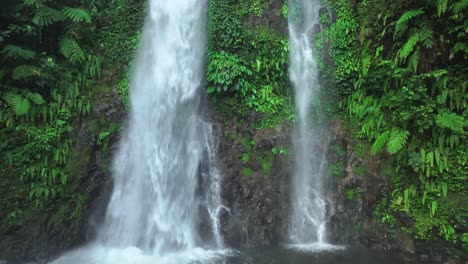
{"x": 98, "y": 254}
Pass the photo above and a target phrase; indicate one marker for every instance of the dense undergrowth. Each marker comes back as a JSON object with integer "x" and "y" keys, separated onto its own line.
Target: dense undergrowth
{"x": 400, "y": 70}
{"x": 52, "y": 54}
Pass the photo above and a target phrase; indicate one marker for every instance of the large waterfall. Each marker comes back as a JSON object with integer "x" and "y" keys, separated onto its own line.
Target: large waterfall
{"x": 159, "y": 188}
{"x": 308, "y": 218}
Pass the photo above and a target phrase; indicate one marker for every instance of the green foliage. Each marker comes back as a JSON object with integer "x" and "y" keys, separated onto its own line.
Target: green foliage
{"x": 399, "y": 69}
{"x": 77, "y": 14}
{"x": 20, "y": 105}
{"x": 226, "y": 73}
{"x": 45, "y": 16}
{"x": 23, "y": 72}
{"x": 248, "y": 172}
{"x": 246, "y": 61}
{"x": 396, "y": 141}
{"x": 451, "y": 121}
{"x": 48, "y": 65}
{"x": 71, "y": 50}
{"x": 16, "y": 52}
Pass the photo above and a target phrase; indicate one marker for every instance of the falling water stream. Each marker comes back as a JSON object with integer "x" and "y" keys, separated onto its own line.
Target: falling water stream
{"x": 154, "y": 212}
{"x": 308, "y": 218}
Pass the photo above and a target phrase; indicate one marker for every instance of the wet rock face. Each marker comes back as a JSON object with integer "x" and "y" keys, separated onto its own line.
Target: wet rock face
{"x": 255, "y": 183}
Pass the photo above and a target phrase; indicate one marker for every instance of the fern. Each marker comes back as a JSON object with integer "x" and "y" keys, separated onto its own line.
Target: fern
{"x": 380, "y": 142}
{"x": 400, "y": 25}
{"x": 409, "y": 46}
{"x": 414, "y": 61}
{"x": 71, "y": 50}
{"x": 45, "y": 16}
{"x": 24, "y": 72}
{"x": 36, "y": 98}
{"x": 441, "y": 7}
{"x": 451, "y": 121}
{"x": 426, "y": 37}
{"x": 77, "y": 14}
{"x": 397, "y": 140}
{"x": 459, "y": 6}
{"x": 20, "y": 105}
{"x": 36, "y": 3}
{"x": 16, "y": 52}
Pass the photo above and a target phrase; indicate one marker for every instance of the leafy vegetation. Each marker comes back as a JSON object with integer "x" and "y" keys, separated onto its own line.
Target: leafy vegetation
{"x": 400, "y": 70}
{"x": 51, "y": 59}
{"x": 248, "y": 60}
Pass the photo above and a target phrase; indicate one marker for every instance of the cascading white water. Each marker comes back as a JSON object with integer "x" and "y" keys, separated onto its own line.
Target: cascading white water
{"x": 308, "y": 218}
{"x": 154, "y": 212}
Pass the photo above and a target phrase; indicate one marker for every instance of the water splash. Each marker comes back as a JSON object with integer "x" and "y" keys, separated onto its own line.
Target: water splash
{"x": 308, "y": 218}
{"x": 154, "y": 212}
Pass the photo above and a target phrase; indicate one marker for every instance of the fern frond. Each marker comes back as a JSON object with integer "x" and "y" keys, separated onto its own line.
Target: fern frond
{"x": 380, "y": 142}
{"x": 45, "y": 16}
{"x": 406, "y": 50}
{"x": 459, "y": 6}
{"x": 36, "y": 98}
{"x": 414, "y": 61}
{"x": 397, "y": 140}
{"x": 17, "y": 52}
{"x": 451, "y": 121}
{"x": 426, "y": 37}
{"x": 77, "y": 14}
{"x": 408, "y": 15}
{"x": 20, "y": 105}
{"x": 24, "y": 72}
{"x": 71, "y": 50}
{"x": 401, "y": 24}
{"x": 400, "y": 31}
{"x": 441, "y": 7}
{"x": 36, "y": 3}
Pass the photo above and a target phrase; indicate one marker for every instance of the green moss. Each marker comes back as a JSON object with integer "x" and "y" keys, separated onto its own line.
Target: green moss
{"x": 267, "y": 162}
{"x": 245, "y": 157}
{"x": 247, "y": 172}
{"x": 337, "y": 169}
{"x": 353, "y": 193}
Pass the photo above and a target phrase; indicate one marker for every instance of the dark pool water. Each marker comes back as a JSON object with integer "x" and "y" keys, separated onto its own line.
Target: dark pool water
{"x": 288, "y": 256}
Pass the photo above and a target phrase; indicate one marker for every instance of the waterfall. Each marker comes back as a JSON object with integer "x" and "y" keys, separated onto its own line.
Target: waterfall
{"x": 311, "y": 139}
{"x": 159, "y": 188}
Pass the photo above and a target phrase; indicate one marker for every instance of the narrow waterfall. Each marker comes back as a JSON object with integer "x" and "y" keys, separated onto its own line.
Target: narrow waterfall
{"x": 308, "y": 218}
{"x": 159, "y": 187}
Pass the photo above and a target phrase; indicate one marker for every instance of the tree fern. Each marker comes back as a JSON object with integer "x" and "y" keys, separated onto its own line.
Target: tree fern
{"x": 45, "y": 16}
{"x": 451, "y": 121}
{"x": 71, "y": 50}
{"x": 380, "y": 142}
{"x": 24, "y": 72}
{"x": 408, "y": 15}
{"x": 397, "y": 140}
{"x": 77, "y": 14}
{"x": 20, "y": 105}
{"x": 17, "y": 52}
